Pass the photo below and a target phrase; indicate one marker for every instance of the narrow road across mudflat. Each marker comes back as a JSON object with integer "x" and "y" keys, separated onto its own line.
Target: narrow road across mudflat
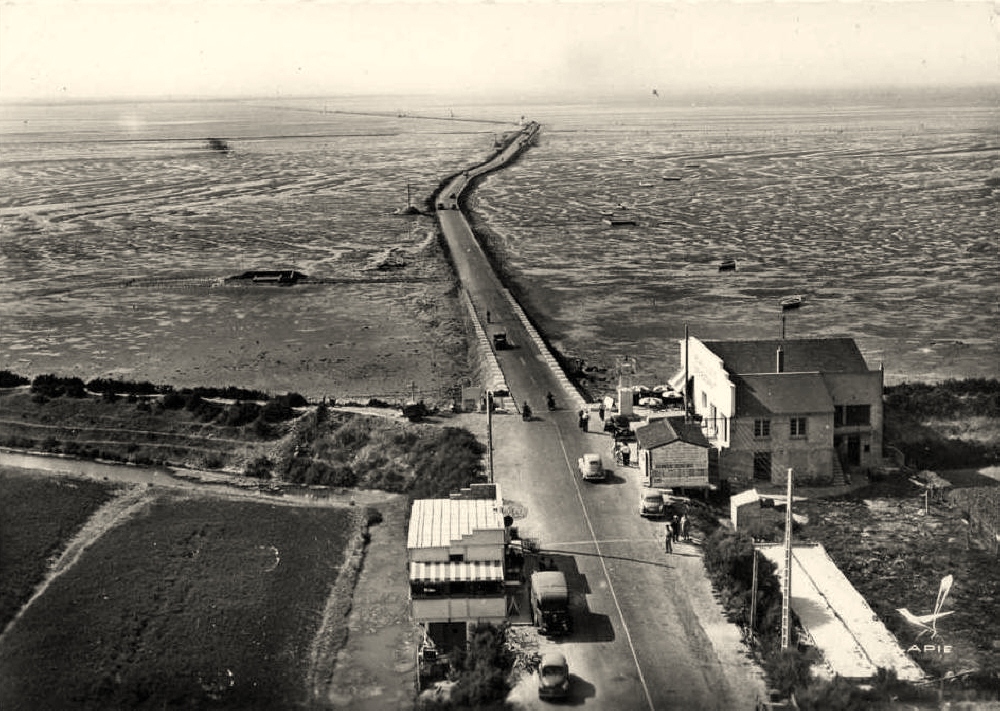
{"x": 649, "y": 634}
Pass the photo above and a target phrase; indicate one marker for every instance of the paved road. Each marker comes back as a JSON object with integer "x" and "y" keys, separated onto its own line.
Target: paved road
{"x": 648, "y": 633}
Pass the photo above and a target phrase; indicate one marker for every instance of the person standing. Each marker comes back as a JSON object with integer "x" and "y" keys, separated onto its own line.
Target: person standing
{"x": 668, "y": 540}
{"x": 586, "y": 418}
{"x": 600, "y": 412}
{"x": 675, "y": 527}
{"x": 685, "y": 525}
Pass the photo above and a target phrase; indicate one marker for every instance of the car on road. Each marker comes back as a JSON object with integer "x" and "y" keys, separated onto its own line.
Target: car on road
{"x": 553, "y": 676}
{"x": 651, "y": 503}
{"x": 591, "y": 467}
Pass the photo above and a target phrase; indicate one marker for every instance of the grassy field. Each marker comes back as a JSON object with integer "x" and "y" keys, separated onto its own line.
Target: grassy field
{"x": 896, "y": 556}
{"x": 138, "y": 432}
{"x": 31, "y": 534}
{"x": 195, "y": 603}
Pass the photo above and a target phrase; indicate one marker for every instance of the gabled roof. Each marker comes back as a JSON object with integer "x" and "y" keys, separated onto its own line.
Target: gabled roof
{"x": 673, "y": 429}
{"x": 802, "y": 355}
{"x": 781, "y": 394}
{"x": 439, "y": 523}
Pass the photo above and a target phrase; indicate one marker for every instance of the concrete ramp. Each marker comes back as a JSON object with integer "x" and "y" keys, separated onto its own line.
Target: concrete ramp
{"x": 852, "y": 639}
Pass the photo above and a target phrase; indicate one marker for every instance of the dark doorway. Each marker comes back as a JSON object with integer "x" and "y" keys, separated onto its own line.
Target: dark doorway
{"x": 762, "y": 466}
{"x": 853, "y": 450}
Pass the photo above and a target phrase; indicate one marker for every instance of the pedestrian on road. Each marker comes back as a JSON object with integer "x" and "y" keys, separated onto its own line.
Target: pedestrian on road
{"x": 583, "y": 422}
{"x": 685, "y": 525}
{"x": 488, "y": 316}
{"x": 600, "y": 412}
{"x": 668, "y": 540}
{"x": 675, "y": 528}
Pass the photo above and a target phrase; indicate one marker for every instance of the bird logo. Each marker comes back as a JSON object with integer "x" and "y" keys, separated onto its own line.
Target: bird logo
{"x": 928, "y": 623}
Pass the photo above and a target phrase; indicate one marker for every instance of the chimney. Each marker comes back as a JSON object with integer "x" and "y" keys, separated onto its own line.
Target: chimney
{"x": 780, "y": 360}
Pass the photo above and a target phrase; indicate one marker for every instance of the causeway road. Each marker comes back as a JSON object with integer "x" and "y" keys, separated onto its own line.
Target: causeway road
{"x": 648, "y": 632}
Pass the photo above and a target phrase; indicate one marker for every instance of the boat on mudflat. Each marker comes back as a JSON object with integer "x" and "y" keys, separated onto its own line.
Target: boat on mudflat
{"x": 727, "y": 265}
{"x": 617, "y": 218}
{"x": 791, "y": 302}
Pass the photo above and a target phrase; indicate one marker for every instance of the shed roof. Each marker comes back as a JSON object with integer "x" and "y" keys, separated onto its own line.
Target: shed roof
{"x": 782, "y": 394}
{"x": 438, "y": 523}
{"x": 672, "y": 429}
{"x": 816, "y": 355}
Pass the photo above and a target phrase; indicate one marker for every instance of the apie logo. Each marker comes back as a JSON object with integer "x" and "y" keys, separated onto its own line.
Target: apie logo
{"x": 928, "y": 623}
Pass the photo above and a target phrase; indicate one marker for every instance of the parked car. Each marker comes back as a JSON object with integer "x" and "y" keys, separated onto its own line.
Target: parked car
{"x": 553, "y": 676}
{"x": 651, "y": 503}
{"x": 620, "y": 428}
{"x": 591, "y": 467}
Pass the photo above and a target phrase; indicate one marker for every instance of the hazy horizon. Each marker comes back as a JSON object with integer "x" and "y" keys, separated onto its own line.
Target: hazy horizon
{"x": 147, "y": 51}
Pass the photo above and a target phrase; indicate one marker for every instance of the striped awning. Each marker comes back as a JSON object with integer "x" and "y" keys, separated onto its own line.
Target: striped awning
{"x": 477, "y": 571}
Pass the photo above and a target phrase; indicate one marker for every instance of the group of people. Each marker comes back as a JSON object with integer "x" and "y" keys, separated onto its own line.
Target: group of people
{"x": 622, "y": 453}
{"x": 678, "y": 529}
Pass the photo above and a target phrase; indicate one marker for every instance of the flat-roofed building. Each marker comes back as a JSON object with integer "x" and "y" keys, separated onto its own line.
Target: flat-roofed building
{"x": 812, "y": 405}
{"x": 455, "y": 550}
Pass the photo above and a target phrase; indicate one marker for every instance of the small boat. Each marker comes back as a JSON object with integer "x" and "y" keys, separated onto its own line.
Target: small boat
{"x": 646, "y": 185}
{"x": 618, "y": 219}
{"x": 727, "y": 265}
{"x": 672, "y": 176}
{"x": 791, "y": 302}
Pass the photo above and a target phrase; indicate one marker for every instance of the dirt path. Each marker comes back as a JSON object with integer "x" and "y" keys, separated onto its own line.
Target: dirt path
{"x": 123, "y": 506}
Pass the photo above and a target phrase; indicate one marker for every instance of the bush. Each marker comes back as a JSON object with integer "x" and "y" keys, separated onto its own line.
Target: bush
{"x": 483, "y": 668}
{"x": 240, "y": 414}
{"x": 259, "y": 468}
{"x": 12, "y": 380}
{"x": 51, "y": 386}
{"x": 173, "y": 401}
{"x": 728, "y": 558}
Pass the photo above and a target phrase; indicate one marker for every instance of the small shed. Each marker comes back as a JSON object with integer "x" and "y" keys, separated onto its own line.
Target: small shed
{"x": 673, "y": 453}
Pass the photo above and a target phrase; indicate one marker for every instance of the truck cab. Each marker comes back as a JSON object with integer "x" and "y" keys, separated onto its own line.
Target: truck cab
{"x": 498, "y": 337}
{"x": 550, "y": 603}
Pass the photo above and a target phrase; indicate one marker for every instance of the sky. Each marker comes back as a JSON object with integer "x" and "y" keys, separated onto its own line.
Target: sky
{"x": 67, "y": 49}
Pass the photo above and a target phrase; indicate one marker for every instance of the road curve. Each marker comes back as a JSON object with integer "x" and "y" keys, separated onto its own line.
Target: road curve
{"x": 649, "y": 634}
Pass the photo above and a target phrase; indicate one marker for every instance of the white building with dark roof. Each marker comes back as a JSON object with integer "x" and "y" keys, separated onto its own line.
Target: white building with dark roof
{"x": 812, "y": 405}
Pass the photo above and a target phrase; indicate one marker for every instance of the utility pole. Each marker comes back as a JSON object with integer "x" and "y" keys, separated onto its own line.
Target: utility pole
{"x": 753, "y": 594}
{"x": 489, "y": 436}
{"x": 786, "y": 608}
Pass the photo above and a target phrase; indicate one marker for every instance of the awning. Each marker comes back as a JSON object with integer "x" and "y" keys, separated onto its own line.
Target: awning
{"x": 476, "y": 571}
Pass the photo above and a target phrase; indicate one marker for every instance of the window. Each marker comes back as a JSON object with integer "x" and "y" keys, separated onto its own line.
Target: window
{"x": 852, "y": 415}
{"x": 858, "y": 415}
{"x": 761, "y": 428}
{"x": 797, "y": 427}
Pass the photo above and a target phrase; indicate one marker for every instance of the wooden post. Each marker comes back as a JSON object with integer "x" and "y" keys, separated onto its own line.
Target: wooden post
{"x": 753, "y": 594}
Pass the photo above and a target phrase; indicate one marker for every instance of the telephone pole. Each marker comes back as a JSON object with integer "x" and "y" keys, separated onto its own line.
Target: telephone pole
{"x": 786, "y": 608}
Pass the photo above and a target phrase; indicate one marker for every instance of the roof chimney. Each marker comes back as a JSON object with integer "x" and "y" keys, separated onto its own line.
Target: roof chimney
{"x": 780, "y": 364}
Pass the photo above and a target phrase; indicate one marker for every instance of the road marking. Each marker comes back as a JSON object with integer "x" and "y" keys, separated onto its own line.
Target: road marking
{"x": 607, "y": 575}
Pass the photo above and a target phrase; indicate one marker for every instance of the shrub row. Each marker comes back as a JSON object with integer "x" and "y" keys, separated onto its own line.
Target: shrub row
{"x": 952, "y": 398}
